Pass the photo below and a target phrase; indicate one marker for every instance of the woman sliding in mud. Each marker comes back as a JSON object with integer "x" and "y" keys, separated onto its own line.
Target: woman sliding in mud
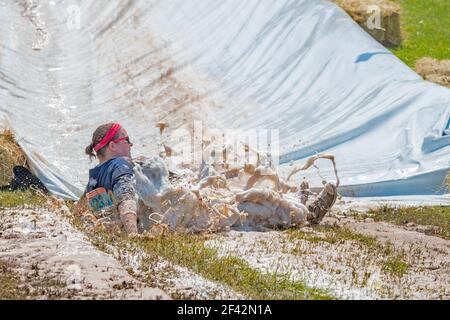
{"x": 110, "y": 182}
{"x": 194, "y": 202}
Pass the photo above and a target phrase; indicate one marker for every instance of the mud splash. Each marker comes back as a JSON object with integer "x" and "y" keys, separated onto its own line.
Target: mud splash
{"x": 218, "y": 197}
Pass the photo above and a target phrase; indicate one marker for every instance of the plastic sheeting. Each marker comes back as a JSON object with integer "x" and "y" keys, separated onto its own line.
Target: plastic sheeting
{"x": 302, "y": 67}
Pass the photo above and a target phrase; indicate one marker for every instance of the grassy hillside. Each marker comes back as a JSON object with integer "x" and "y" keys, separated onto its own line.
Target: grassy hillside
{"x": 426, "y": 30}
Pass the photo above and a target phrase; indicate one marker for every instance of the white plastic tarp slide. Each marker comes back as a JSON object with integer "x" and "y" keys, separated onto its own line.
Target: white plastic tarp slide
{"x": 301, "y": 67}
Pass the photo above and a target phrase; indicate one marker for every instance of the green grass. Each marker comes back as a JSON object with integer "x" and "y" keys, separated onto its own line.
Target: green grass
{"x": 190, "y": 251}
{"x": 10, "y": 199}
{"x": 438, "y": 216}
{"x": 10, "y": 284}
{"x": 333, "y": 235}
{"x": 33, "y": 286}
{"x": 425, "y": 29}
{"x": 394, "y": 264}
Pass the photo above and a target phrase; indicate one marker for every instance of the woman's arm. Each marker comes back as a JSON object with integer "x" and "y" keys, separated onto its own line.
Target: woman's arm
{"x": 125, "y": 194}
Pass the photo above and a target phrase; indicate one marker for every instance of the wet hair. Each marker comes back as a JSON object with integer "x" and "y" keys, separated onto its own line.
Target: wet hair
{"x": 98, "y": 135}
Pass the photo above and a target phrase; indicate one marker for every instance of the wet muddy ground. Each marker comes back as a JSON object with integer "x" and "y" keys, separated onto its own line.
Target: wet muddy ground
{"x": 43, "y": 244}
{"x": 349, "y": 258}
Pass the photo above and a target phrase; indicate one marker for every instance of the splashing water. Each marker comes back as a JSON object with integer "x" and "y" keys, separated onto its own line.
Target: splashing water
{"x": 189, "y": 201}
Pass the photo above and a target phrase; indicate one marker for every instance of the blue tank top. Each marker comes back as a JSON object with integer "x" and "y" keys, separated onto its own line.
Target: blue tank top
{"x": 107, "y": 174}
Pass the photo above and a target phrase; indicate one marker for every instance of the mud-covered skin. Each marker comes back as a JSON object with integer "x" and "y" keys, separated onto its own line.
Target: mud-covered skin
{"x": 124, "y": 189}
{"x": 125, "y": 194}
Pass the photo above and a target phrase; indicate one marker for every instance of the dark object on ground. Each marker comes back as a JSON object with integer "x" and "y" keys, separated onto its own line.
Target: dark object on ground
{"x": 322, "y": 205}
{"x": 24, "y": 179}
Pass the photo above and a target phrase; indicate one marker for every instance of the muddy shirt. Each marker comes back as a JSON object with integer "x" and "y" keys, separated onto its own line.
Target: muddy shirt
{"x": 114, "y": 175}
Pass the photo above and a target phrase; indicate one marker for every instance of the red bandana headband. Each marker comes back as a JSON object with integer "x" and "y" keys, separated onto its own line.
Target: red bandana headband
{"x": 111, "y": 133}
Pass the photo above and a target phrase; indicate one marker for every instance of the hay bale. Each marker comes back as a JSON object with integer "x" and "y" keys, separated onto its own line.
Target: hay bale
{"x": 10, "y": 155}
{"x": 433, "y": 70}
{"x": 389, "y": 33}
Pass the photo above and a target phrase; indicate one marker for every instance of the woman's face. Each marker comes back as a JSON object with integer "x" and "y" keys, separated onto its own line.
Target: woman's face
{"x": 121, "y": 147}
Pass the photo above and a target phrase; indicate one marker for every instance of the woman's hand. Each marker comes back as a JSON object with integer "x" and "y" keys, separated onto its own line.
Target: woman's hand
{"x": 81, "y": 207}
